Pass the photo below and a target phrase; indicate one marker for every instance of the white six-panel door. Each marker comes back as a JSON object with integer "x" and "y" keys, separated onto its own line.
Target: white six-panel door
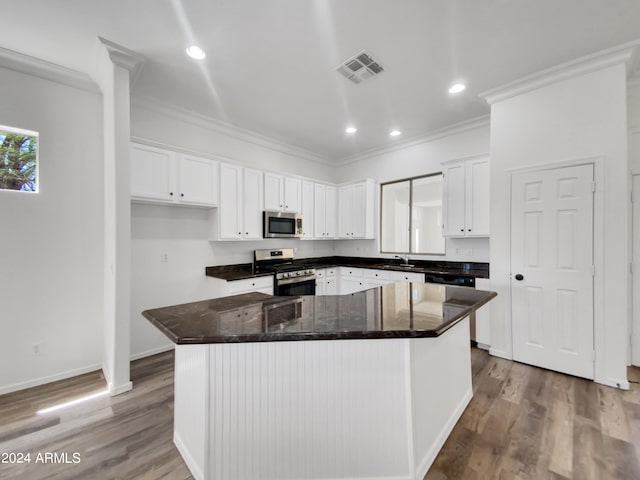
{"x": 552, "y": 269}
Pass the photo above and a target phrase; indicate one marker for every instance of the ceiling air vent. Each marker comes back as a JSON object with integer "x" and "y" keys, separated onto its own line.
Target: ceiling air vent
{"x": 360, "y": 67}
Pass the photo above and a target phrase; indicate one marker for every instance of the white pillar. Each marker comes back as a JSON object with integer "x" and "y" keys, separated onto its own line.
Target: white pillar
{"x": 114, "y": 69}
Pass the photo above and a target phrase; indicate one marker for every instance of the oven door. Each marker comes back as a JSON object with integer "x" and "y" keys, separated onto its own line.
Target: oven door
{"x": 296, "y": 286}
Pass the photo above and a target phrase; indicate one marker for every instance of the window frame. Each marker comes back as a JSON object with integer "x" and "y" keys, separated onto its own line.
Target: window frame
{"x": 410, "y": 180}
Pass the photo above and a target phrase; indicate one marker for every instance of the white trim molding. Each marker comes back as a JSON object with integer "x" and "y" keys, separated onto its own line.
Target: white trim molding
{"x": 36, "y": 67}
{"x": 455, "y": 129}
{"x": 626, "y": 53}
{"x": 204, "y": 121}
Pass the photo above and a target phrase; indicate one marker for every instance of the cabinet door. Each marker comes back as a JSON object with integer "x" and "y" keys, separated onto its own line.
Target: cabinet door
{"x": 331, "y": 287}
{"x": 454, "y": 200}
{"x": 197, "y": 180}
{"x": 151, "y": 173}
{"x": 230, "y": 209}
{"x": 252, "y": 208}
{"x": 307, "y": 209}
{"x": 357, "y": 206}
{"x": 319, "y": 217}
{"x": 350, "y": 285}
{"x": 273, "y": 186}
{"x": 331, "y": 210}
{"x": 478, "y": 198}
{"x": 345, "y": 227}
{"x": 292, "y": 194}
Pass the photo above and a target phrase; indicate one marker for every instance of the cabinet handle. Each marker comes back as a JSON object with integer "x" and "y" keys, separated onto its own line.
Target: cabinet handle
{"x": 246, "y": 233}
{"x": 469, "y": 230}
{"x": 239, "y": 233}
{"x": 182, "y": 194}
{"x": 171, "y": 194}
{"x": 462, "y": 229}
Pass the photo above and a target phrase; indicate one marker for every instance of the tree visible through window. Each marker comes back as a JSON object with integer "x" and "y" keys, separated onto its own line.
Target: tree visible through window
{"x": 18, "y": 160}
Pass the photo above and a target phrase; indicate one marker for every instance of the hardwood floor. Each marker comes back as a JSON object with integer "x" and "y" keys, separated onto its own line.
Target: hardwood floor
{"x": 527, "y": 423}
{"x": 523, "y": 423}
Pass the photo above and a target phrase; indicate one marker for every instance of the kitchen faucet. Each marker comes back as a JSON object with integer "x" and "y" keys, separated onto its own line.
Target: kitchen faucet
{"x": 404, "y": 258}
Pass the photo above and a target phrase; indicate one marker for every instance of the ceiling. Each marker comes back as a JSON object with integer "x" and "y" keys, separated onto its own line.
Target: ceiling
{"x": 270, "y": 65}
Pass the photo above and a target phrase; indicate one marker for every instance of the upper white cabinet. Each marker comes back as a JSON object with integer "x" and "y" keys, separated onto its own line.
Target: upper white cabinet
{"x": 307, "y": 209}
{"x": 465, "y": 207}
{"x": 282, "y": 193}
{"x": 356, "y": 215}
{"x": 166, "y": 177}
{"x": 325, "y": 210}
{"x": 239, "y": 215}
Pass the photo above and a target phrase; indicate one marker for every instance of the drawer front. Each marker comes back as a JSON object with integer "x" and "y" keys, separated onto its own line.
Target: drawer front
{"x": 373, "y": 274}
{"x": 406, "y": 277}
{"x": 250, "y": 284}
{"x": 351, "y": 272}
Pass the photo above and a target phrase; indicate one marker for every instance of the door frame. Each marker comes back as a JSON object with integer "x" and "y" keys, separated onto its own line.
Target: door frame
{"x": 634, "y": 317}
{"x": 598, "y": 254}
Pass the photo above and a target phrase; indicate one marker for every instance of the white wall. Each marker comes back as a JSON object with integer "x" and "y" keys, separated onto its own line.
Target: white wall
{"x": 183, "y": 232}
{"x": 51, "y": 246}
{"x": 415, "y": 160}
{"x": 584, "y": 116}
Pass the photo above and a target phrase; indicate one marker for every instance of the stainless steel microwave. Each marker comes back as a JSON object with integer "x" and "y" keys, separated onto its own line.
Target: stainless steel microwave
{"x": 282, "y": 224}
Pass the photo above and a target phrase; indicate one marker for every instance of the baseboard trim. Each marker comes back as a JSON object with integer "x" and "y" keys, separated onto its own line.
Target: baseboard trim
{"x": 153, "y": 351}
{"x": 197, "y": 473}
{"x": 432, "y": 453}
{"x": 48, "y": 379}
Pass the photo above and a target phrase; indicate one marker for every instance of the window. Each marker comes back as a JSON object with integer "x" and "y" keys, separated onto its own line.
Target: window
{"x": 18, "y": 160}
{"x": 411, "y": 216}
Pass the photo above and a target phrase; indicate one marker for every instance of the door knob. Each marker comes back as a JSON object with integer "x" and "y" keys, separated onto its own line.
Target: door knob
{"x": 519, "y": 277}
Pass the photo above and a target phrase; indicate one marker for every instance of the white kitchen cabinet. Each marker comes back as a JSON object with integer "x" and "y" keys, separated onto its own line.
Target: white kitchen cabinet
{"x": 325, "y": 209}
{"x": 239, "y": 215}
{"x": 356, "y": 215}
{"x": 483, "y": 318}
{"x": 465, "y": 207}
{"x": 282, "y": 193}
{"x": 413, "y": 277}
{"x": 307, "y": 209}
{"x": 257, "y": 284}
{"x": 165, "y": 177}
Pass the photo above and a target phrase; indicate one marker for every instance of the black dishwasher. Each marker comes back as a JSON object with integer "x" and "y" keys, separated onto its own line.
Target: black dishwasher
{"x": 450, "y": 279}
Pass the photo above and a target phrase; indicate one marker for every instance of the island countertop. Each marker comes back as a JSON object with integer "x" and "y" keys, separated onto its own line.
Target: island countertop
{"x": 399, "y": 310}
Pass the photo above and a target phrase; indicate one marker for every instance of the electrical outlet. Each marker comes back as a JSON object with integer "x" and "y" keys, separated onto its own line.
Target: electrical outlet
{"x": 36, "y": 348}
{"x": 164, "y": 257}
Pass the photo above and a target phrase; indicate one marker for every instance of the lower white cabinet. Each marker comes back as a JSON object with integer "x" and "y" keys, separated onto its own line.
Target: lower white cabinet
{"x": 326, "y": 281}
{"x": 247, "y": 285}
{"x": 353, "y": 279}
{"x": 483, "y": 317}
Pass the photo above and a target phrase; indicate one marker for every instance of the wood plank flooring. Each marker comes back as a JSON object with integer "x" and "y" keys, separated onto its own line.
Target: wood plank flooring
{"x": 523, "y": 423}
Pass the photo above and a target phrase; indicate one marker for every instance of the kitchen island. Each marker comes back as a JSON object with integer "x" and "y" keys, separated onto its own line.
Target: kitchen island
{"x": 366, "y": 385}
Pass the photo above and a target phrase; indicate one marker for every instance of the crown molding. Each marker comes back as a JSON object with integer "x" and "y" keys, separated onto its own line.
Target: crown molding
{"x": 455, "y": 129}
{"x": 626, "y": 54}
{"x": 37, "y": 67}
{"x": 123, "y": 57}
{"x": 204, "y": 121}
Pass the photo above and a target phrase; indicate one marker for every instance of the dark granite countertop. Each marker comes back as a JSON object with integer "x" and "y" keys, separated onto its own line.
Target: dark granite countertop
{"x": 399, "y": 310}
{"x": 465, "y": 269}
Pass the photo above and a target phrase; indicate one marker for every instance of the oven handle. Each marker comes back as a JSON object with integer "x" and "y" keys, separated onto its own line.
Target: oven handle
{"x": 289, "y": 281}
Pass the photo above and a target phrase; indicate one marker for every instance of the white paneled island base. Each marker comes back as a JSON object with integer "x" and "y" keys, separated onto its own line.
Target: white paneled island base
{"x": 321, "y": 409}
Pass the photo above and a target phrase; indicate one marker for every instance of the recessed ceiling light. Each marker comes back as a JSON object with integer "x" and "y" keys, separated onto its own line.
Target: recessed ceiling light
{"x": 457, "y": 88}
{"x": 395, "y": 133}
{"x": 351, "y": 129}
{"x": 196, "y": 52}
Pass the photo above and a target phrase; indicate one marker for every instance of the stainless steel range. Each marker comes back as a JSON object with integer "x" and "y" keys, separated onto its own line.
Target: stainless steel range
{"x": 290, "y": 278}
